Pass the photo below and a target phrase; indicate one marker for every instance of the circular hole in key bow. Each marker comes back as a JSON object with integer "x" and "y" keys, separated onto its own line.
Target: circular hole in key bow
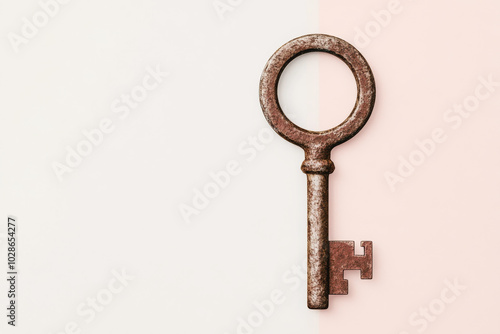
{"x": 317, "y": 91}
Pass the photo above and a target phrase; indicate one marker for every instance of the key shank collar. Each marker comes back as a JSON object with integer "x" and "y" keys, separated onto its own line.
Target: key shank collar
{"x": 317, "y": 161}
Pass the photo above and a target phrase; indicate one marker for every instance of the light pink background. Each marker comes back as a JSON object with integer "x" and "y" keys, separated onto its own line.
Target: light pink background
{"x": 443, "y": 221}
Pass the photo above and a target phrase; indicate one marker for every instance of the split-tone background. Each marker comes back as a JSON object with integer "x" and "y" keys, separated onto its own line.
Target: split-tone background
{"x": 183, "y": 213}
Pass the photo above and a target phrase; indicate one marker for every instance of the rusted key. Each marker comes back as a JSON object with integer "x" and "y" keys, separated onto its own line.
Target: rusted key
{"x": 326, "y": 261}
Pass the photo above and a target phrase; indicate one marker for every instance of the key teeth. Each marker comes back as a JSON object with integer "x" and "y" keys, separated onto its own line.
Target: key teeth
{"x": 342, "y": 258}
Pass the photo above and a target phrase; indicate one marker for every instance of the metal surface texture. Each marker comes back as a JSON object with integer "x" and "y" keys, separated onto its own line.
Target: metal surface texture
{"x": 326, "y": 260}
{"x": 342, "y": 258}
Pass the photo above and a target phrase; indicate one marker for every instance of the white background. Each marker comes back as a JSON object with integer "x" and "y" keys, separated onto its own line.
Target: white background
{"x": 119, "y": 209}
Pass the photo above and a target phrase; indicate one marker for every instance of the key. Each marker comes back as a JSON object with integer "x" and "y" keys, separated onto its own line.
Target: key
{"x": 326, "y": 260}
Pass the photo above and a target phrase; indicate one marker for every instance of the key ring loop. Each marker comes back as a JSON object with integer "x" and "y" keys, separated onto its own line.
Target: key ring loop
{"x": 317, "y": 139}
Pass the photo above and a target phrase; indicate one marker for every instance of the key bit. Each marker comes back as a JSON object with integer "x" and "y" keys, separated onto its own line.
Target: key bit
{"x": 326, "y": 260}
{"x": 342, "y": 258}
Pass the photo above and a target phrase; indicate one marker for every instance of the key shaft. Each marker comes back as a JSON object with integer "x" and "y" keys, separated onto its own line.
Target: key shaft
{"x": 317, "y": 166}
{"x": 318, "y": 254}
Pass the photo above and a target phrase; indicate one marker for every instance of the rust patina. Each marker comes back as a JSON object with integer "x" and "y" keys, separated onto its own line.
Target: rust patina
{"x": 326, "y": 260}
